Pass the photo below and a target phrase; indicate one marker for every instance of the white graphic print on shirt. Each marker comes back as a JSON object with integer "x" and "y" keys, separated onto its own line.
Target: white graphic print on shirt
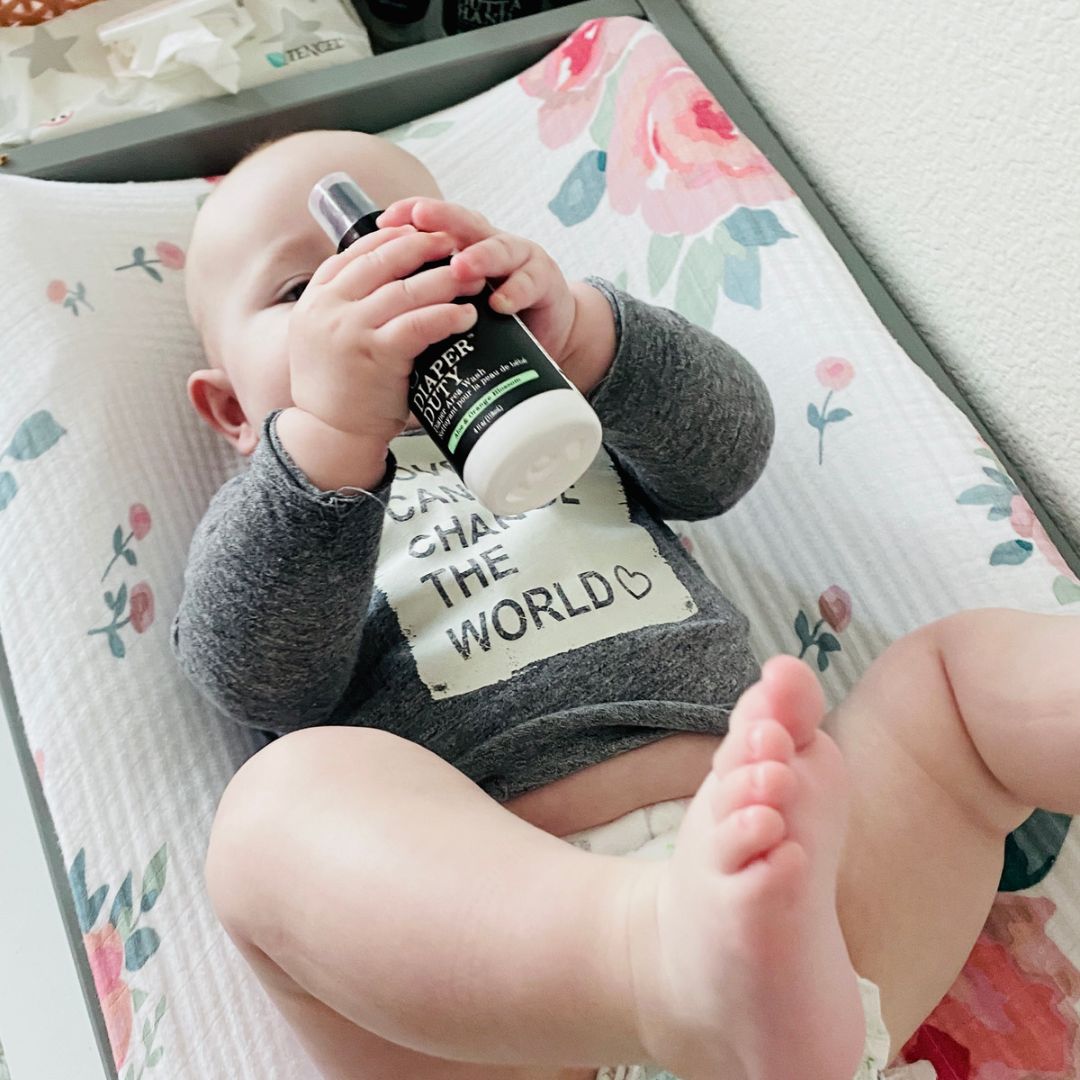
{"x": 479, "y": 596}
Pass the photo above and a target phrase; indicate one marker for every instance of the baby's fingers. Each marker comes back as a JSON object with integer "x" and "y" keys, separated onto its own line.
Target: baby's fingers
{"x": 410, "y": 334}
{"x": 435, "y": 215}
{"x": 531, "y": 277}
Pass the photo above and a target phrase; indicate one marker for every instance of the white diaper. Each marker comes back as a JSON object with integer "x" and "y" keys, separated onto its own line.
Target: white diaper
{"x": 649, "y": 833}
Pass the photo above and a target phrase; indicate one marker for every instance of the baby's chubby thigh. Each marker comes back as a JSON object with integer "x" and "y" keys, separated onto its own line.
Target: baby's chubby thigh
{"x": 920, "y": 865}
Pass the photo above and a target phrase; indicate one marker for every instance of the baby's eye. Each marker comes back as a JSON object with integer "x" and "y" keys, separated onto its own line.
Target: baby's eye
{"x": 293, "y": 292}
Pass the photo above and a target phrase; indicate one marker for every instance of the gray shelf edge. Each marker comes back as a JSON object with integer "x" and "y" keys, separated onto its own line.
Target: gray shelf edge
{"x": 50, "y": 845}
{"x": 684, "y": 34}
{"x": 207, "y": 137}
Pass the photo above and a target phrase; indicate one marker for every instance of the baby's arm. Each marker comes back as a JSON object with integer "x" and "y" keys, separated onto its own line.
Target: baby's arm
{"x": 683, "y": 412}
{"x": 276, "y": 591}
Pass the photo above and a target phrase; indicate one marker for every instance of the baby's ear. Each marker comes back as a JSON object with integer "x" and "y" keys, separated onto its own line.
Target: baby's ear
{"x": 212, "y": 395}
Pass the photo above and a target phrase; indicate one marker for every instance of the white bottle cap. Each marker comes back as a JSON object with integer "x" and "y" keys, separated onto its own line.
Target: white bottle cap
{"x": 533, "y": 452}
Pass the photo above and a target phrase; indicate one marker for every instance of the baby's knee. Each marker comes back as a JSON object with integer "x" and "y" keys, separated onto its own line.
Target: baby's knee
{"x": 257, "y": 842}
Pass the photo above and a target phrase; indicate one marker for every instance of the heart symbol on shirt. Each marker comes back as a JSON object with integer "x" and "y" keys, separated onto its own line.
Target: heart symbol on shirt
{"x": 634, "y": 582}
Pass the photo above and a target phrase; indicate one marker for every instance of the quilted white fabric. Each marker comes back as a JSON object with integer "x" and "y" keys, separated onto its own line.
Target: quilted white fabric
{"x": 880, "y": 509}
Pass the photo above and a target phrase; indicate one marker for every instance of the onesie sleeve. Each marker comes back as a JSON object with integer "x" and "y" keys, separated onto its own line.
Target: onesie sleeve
{"x": 685, "y": 415}
{"x": 276, "y": 592}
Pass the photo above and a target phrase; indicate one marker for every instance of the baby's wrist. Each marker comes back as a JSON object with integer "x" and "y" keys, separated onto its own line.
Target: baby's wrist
{"x": 329, "y": 458}
{"x": 591, "y": 345}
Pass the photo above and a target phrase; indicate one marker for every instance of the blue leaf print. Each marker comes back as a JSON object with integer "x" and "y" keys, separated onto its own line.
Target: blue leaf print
{"x": 742, "y": 278}
{"x": 1011, "y": 553}
{"x": 77, "y": 880}
{"x": 582, "y": 190}
{"x": 8, "y": 488}
{"x": 755, "y": 228}
{"x": 139, "y": 947}
{"x": 35, "y": 435}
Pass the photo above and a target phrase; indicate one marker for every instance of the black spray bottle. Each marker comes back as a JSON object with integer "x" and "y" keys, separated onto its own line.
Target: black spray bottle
{"x": 513, "y": 427}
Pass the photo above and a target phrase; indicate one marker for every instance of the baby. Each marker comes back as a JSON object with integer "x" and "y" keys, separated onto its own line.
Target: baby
{"x": 394, "y": 868}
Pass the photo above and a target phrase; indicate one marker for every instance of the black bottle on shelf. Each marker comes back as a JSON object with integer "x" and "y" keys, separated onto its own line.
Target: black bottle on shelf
{"x": 460, "y": 16}
{"x": 393, "y": 24}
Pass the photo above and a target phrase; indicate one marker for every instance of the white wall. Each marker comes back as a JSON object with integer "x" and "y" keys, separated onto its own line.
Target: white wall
{"x": 946, "y": 139}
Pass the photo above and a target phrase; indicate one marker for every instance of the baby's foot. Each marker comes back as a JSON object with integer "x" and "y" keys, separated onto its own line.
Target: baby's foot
{"x": 740, "y": 966}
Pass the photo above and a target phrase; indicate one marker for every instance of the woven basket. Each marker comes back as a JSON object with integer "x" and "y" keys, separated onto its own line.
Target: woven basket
{"x": 32, "y": 12}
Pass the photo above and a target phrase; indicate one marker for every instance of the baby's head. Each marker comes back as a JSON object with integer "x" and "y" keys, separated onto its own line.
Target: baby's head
{"x": 254, "y": 248}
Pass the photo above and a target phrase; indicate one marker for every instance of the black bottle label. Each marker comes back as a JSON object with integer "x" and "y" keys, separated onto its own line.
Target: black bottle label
{"x": 459, "y": 387}
{"x": 462, "y": 15}
{"x": 462, "y": 385}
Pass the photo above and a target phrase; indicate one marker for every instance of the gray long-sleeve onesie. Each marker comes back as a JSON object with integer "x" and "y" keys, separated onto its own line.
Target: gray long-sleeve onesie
{"x": 519, "y": 648}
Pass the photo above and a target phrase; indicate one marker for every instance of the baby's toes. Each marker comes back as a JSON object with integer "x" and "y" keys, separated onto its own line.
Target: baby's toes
{"x": 745, "y": 835}
{"x": 763, "y": 783}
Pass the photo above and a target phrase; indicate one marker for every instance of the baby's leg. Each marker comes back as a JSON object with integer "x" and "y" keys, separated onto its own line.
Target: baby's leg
{"x": 387, "y": 902}
{"x": 382, "y": 882}
{"x": 955, "y": 733}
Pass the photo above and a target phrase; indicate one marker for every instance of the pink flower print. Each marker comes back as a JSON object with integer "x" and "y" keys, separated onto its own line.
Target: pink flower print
{"x": 1027, "y": 525}
{"x": 834, "y": 373}
{"x": 570, "y": 80}
{"x": 139, "y": 520}
{"x": 141, "y": 607}
{"x": 118, "y": 947}
{"x": 1009, "y": 1015}
{"x": 58, "y": 293}
{"x": 105, "y": 952}
{"x": 675, "y": 153}
{"x": 137, "y": 606}
{"x": 835, "y": 607}
{"x": 39, "y": 763}
{"x": 168, "y": 255}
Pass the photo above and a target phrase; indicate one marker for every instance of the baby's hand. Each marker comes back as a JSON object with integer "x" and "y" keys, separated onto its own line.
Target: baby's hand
{"x": 353, "y": 337}
{"x": 566, "y": 320}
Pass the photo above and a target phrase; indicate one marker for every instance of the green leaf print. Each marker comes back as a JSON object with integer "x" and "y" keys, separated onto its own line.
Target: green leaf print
{"x": 36, "y": 434}
{"x": 802, "y": 628}
{"x": 9, "y": 488}
{"x": 1066, "y": 591}
{"x": 121, "y": 905}
{"x": 154, "y": 878}
{"x": 663, "y": 254}
{"x": 430, "y": 131}
{"x": 698, "y": 284}
{"x": 604, "y": 120}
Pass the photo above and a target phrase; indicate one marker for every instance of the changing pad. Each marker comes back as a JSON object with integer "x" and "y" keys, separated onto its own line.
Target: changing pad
{"x": 880, "y": 510}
